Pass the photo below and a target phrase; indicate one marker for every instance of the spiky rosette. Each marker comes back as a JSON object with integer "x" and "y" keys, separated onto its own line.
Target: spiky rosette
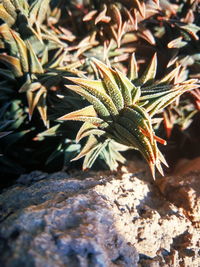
{"x": 27, "y": 43}
{"x": 122, "y": 110}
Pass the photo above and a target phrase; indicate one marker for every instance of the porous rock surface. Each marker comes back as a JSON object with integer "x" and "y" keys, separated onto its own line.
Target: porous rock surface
{"x": 100, "y": 219}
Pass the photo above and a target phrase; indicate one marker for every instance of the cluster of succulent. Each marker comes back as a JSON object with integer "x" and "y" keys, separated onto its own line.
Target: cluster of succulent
{"x": 117, "y": 67}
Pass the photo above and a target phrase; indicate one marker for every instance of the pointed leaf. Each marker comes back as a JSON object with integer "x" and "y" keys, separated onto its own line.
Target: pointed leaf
{"x": 177, "y": 43}
{"x": 96, "y": 89}
{"x": 89, "y": 84}
{"x": 84, "y": 114}
{"x": 7, "y": 37}
{"x": 42, "y": 11}
{"x": 126, "y": 87}
{"x": 32, "y": 86}
{"x": 88, "y": 129}
{"x": 99, "y": 107}
{"x": 139, "y": 118}
{"x": 170, "y": 76}
{"x": 163, "y": 101}
{"x": 44, "y": 58}
{"x": 38, "y": 10}
{"x": 132, "y": 71}
{"x": 10, "y": 8}
{"x": 141, "y": 7}
{"x": 49, "y": 132}
{"x": 117, "y": 18}
{"x": 89, "y": 16}
{"x": 33, "y": 98}
{"x": 42, "y": 108}
{"x": 102, "y": 16}
{"x": 110, "y": 82}
{"x": 126, "y": 129}
{"x": 92, "y": 155}
{"x": 34, "y": 64}
{"x": 150, "y": 72}
{"x": 22, "y": 51}
{"x": 92, "y": 142}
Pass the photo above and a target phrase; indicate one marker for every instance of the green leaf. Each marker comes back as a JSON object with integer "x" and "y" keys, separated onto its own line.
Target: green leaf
{"x": 99, "y": 107}
{"x": 132, "y": 71}
{"x": 177, "y": 43}
{"x": 112, "y": 88}
{"x": 49, "y": 132}
{"x": 126, "y": 88}
{"x": 92, "y": 155}
{"x": 85, "y": 114}
{"x": 150, "y": 72}
{"x": 98, "y": 92}
{"x": 38, "y": 10}
{"x": 139, "y": 117}
{"x": 34, "y": 64}
{"x": 42, "y": 108}
{"x": 8, "y": 39}
{"x": 22, "y": 52}
{"x": 170, "y": 76}
{"x": 34, "y": 98}
{"x": 88, "y": 129}
{"x": 91, "y": 144}
{"x": 163, "y": 100}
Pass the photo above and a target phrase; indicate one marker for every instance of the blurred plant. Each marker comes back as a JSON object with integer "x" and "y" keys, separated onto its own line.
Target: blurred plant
{"x": 112, "y": 19}
{"x": 178, "y": 115}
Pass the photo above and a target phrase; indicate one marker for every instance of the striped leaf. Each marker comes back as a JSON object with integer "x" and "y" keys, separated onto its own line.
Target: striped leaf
{"x": 112, "y": 87}
{"x": 128, "y": 121}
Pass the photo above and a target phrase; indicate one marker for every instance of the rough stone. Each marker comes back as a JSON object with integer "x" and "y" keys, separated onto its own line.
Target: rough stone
{"x": 100, "y": 219}
{"x": 184, "y": 192}
{"x": 152, "y": 224}
{"x": 54, "y": 221}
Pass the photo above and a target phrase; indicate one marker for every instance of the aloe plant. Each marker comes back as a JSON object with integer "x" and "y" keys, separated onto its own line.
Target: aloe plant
{"x": 42, "y": 42}
{"x": 31, "y": 71}
{"x": 123, "y": 110}
{"x": 29, "y": 44}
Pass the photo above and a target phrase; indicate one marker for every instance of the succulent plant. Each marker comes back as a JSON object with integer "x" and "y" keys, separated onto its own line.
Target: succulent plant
{"x": 32, "y": 70}
{"x": 122, "y": 109}
{"x": 112, "y": 19}
{"x": 45, "y": 42}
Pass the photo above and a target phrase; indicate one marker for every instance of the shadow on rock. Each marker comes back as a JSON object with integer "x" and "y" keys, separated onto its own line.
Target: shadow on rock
{"x": 54, "y": 220}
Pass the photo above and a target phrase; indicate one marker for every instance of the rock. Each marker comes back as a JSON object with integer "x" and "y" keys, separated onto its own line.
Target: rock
{"x": 55, "y": 221}
{"x": 96, "y": 219}
{"x": 185, "y": 166}
{"x": 184, "y": 192}
{"x": 152, "y": 224}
